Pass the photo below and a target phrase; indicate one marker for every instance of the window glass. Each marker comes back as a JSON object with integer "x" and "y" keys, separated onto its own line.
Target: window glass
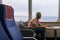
{"x": 20, "y": 9}
{"x": 48, "y": 9}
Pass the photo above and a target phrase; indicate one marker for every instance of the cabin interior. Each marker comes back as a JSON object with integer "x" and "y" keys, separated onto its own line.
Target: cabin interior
{"x": 29, "y": 33}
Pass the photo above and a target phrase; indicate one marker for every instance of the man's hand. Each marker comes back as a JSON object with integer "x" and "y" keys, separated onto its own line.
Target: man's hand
{"x": 46, "y": 25}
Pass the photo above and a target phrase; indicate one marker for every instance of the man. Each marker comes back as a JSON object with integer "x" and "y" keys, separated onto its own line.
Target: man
{"x": 40, "y": 29}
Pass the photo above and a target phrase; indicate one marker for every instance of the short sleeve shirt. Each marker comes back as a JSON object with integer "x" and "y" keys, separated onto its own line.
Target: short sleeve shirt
{"x": 34, "y": 21}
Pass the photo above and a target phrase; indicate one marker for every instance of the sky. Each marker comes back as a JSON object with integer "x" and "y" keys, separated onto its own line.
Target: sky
{"x": 46, "y": 7}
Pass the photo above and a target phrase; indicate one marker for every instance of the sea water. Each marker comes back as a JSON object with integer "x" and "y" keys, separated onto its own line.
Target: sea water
{"x": 43, "y": 18}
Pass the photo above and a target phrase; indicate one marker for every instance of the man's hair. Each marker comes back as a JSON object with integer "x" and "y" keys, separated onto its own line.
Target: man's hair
{"x": 38, "y": 14}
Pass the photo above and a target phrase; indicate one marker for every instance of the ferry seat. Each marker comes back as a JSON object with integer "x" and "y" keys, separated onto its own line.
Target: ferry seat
{"x": 8, "y": 22}
{"x": 28, "y": 34}
{"x": 3, "y": 35}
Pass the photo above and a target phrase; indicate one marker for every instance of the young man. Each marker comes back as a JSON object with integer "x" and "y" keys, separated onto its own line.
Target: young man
{"x": 40, "y": 29}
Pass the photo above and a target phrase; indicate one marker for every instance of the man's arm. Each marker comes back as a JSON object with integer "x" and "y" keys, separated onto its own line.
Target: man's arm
{"x": 35, "y": 24}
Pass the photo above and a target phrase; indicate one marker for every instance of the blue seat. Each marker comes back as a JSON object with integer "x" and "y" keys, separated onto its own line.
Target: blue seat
{"x": 3, "y": 35}
{"x": 8, "y": 22}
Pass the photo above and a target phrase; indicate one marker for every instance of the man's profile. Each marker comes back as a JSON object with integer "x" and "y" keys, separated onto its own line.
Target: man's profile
{"x": 35, "y": 23}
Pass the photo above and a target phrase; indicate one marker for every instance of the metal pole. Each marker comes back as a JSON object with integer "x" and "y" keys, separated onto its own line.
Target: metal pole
{"x": 0, "y": 1}
{"x": 30, "y": 9}
{"x": 59, "y": 12}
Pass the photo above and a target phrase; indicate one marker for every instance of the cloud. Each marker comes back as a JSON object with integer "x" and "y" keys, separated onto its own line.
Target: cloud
{"x": 47, "y": 7}
{"x": 18, "y": 5}
{"x": 45, "y": 2}
{"x": 21, "y": 13}
{"x": 15, "y": 1}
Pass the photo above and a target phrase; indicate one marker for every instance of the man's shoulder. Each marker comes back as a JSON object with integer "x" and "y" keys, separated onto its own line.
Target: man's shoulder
{"x": 33, "y": 19}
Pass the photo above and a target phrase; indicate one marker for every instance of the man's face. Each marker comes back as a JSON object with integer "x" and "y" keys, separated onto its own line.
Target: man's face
{"x": 39, "y": 16}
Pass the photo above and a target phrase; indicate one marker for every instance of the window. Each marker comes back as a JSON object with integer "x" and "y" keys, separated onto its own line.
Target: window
{"x": 48, "y": 9}
{"x": 20, "y": 8}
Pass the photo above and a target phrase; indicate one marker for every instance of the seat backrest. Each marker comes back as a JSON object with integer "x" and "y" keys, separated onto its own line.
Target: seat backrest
{"x": 8, "y": 22}
{"x": 3, "y": 35}
{"x": 27, "y": 32}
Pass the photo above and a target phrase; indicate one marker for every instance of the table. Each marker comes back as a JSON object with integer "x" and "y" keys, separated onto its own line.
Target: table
{"x": 54, "y": 28}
